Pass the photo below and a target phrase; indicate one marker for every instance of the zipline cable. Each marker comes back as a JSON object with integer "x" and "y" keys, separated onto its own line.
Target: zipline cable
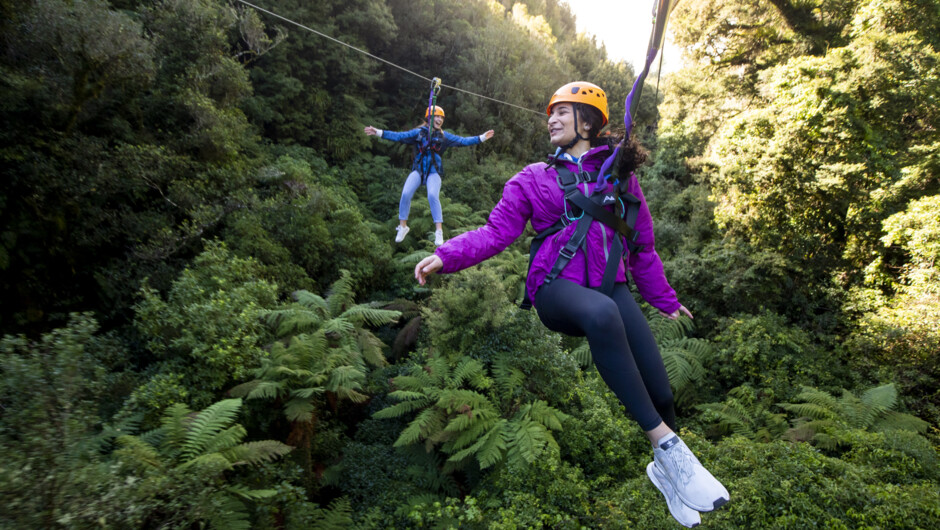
{"x": 383, "y": 60}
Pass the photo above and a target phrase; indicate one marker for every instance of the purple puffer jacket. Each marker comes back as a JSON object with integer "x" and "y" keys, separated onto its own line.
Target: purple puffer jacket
{"x": 533, "y": 195}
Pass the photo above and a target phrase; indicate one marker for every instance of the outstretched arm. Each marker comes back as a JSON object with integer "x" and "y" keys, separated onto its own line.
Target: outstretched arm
{"x": 452, "y": 140}
{"x": 372, "y": 131}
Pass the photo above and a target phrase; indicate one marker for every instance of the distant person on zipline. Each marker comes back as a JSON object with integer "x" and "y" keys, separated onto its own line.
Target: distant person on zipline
{"x": 586, "y": 223}
{"x": 427, "y": 167}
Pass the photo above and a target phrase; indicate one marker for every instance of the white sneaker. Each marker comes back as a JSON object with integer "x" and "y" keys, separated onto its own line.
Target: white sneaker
{"x": 684, "y": 515}
{"x": 697, "y": 488}
{"x": 438, "y": 237}
{"x": 402, "y": 232}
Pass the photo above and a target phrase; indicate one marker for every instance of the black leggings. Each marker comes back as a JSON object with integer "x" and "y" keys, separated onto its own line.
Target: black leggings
{"x": 621, "y": 342}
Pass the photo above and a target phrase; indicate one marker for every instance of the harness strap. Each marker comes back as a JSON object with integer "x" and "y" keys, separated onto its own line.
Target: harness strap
{"x": 592, "y": 209}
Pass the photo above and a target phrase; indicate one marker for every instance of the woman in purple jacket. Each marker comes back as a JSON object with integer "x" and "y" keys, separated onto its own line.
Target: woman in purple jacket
{"x": 569, "y": 300}
{"x": 427, "y": 167}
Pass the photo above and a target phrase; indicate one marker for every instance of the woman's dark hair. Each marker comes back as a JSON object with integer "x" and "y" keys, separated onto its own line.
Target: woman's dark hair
{"x": 589, "y": 114}
{"x": 632, "y": 154}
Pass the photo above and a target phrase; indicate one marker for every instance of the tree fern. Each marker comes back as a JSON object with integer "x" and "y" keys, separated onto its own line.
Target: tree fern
{"x": 827, "y": 421}
{"x": 682, "y": 355}
{"x": 744, "y": 413}
{"x": 202, "y": 446}
{"x": 208, "y": 429}
{"x": 324, "y": 350}
{"x": 455, "y": 415}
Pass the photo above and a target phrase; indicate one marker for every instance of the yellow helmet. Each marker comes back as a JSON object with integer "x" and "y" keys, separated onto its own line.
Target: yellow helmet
{"x": 581, "y": 92}
{"x": 438, "y": 111}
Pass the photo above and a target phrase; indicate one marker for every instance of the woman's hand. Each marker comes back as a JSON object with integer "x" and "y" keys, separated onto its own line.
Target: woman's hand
{"x": 675, "y": 314}
{"x": 427, "y": 266}
{"x": 488, "y": 134}
{"x": 370, "y": 130}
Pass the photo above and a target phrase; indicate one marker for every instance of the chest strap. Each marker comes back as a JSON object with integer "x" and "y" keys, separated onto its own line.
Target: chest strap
{"x": 591, "y": 209}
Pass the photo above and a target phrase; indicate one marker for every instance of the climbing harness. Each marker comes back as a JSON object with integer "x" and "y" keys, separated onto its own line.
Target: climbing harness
{"x": 430, "y": 140}
{"x": 583, "y": 209}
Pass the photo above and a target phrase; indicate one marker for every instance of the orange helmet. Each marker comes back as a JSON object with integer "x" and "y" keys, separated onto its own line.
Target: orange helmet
{"x": 581, "y": 92}
{"x": 438, "y": 111}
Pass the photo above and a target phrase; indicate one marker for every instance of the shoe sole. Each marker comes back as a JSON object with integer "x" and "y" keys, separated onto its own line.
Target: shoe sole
{"x": 717, "y": 503}
{"x": 656, "y": 482}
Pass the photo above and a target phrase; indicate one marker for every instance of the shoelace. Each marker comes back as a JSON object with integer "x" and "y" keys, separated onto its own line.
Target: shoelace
{"x": 683, "y": 460}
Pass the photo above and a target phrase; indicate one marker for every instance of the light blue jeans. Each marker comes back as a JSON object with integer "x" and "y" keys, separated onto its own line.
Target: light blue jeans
{"x": 434, "y": 191}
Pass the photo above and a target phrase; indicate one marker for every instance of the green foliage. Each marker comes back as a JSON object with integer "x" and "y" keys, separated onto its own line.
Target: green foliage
{"x": 746, "y": 413}
{"x": 828, "y": 421}
{"x": 682, "y": 355}
{"x": 207, "y": 332}
{"x": 49, "y": 427}
{"x": 794, "y": 485}
{"x": 764, "y": 352}
{"x": 454, "y": 412}
{"x": 188, "y": 458}
{"x": 323, "y": 347}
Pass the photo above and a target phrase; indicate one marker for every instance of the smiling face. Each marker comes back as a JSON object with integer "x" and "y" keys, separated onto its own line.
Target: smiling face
{"x": 561, "y": 124}
{"x": 438, "y": 122}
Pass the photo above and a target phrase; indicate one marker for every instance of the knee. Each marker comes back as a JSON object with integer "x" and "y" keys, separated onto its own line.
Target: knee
{"x": 604, "y": 317}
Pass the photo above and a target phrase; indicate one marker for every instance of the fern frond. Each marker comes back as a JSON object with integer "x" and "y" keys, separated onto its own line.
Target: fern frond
{"x": 228, "y": 513}
{"x": 884, "y": 397}
{"x": 818, "y": 397}
{"x": 338, "y": 516}
{"x": 546, "y": 415}
{"x": 365, "y": 314}
{"x": 242, "y": 390}
{"x": 211, "y": 461}
{"x": 351, "y": 394}
{"x": 467, "y": 369}
{"x": 174, "y": 425}
{"x": 427, "y": 422}
{"x": 527, "y": 439}
{"x": 338, "y": 326}
{"x": 266, "y": 390}
{"x": 665, "y": 329}
{"x": 250, "y": 494}
{"x": 414, "y": 383}
{"x": 508, "y": 378}
{"x": 400, "y": 409}
{"x": 371, "y": 348}
{"x": 225, "y": 439}
{"x": 810, "y": 410}
{"x": 414, "y": 257}
{"x": 582, "y": 354}
{"x": 345, "y": 377}
{"x": 291, "y": 321}
{"x": 207, "y": 424}
{"x": 489, "y": 449}
{"x": 311, "y": 301}
{"x": 299, "y": 410}
{"x": 138, "y": 452}
{"x": 898, "y": 421}
{"x": 257, "y": 452}
{"x": 340, "y": 294}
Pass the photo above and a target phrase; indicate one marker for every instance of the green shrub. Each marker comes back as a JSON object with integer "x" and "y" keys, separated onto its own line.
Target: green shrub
{"x": 206, "y": 333}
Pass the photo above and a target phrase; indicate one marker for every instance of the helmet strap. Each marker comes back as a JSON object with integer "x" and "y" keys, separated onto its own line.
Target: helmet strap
{"x": 577, "y": 135}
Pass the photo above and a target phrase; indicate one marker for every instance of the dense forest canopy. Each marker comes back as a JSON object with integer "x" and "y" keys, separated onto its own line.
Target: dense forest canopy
{"x": 205, "y": 320}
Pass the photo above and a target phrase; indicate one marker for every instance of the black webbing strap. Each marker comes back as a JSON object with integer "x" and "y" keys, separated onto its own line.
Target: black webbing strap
{"x": 592, "y": 209}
